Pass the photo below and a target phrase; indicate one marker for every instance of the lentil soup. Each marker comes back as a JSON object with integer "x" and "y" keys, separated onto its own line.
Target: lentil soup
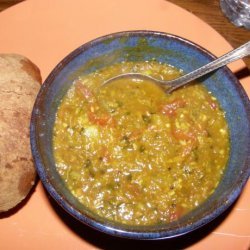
{"x": 135, "y": 155}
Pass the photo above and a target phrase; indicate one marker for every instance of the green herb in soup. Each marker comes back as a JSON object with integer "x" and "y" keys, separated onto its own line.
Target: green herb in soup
{"x": 135, "y": 155}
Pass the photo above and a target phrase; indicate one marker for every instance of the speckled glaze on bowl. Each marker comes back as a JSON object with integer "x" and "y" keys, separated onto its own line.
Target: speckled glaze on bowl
{"x": 137, "y": 46}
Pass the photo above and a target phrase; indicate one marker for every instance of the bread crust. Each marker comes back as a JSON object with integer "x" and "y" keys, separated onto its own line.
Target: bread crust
{"x": 20, "y": 81}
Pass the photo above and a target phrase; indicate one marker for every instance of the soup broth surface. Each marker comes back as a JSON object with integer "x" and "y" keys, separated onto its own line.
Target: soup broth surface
{"x": 132, "y": 153}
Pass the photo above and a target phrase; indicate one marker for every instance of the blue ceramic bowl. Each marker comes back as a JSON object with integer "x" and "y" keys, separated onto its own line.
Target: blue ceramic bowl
{"x": 143, "y": 45}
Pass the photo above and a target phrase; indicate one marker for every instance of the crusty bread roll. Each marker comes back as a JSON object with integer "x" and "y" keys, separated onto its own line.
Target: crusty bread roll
{"x": 19, "y": 84}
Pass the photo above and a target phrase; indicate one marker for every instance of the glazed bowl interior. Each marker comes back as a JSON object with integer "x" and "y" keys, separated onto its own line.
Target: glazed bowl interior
{"x": 142, "y": 46}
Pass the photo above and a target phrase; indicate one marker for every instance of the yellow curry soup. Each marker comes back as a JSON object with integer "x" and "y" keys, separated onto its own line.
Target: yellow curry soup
{"x": 135, "y": 155}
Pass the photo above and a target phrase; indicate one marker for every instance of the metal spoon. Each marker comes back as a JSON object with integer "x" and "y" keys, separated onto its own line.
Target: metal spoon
{"x": 170, "y": 86}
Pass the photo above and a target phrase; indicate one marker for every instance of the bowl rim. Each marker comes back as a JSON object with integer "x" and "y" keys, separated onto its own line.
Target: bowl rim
{"x": 92, "y": 222}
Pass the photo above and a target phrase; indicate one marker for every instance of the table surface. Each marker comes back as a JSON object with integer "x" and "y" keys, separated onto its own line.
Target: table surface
{"x": 207, "y": 10}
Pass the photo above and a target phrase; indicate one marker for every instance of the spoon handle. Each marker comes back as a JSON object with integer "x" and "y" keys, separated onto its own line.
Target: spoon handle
{"x": 231, "y": 56}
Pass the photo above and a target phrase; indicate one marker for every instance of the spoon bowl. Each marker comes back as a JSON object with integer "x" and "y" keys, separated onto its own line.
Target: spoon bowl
{"x": 140, "y": 46}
